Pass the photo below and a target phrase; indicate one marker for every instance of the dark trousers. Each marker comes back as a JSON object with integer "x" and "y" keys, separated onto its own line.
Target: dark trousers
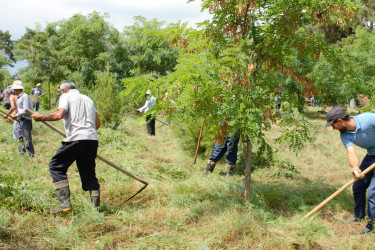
{"x": 36, "y": 106}
{"x": 230, "y": 146}
{"x": 359, "y": 191}
{"x": 23, "y": 132}
{"x": 84, "y": 153}
{"x": 150, "y": 124}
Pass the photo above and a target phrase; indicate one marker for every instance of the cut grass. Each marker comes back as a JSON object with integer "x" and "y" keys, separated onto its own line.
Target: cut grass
{"x": 180, "y": 208}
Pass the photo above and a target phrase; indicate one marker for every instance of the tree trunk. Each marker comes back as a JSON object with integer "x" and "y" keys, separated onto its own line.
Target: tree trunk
{"x": 49, "y": 94}
{"x": 248, "y": 169}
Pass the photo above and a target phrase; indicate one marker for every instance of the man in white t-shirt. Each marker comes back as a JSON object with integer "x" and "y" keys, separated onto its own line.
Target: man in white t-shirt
{"x": 81, "y": 144}
{"x": 150, "y": 120}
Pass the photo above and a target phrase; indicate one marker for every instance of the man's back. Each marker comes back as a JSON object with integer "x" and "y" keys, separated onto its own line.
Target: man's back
{"x": 80, "y": 118}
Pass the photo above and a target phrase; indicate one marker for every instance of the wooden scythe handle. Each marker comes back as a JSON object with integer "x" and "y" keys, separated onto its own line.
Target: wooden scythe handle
{"x": 199, "y": 141}
{"x": 6, "y": 114}
{"x": 317, "y": 208}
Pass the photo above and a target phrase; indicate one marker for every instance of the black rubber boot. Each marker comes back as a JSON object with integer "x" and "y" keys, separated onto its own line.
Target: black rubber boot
{"x": 210, "y": 167}
{"x": 230, "y": 172}
{"x": 63, "y": 194}
{"x": 95, "y": 198}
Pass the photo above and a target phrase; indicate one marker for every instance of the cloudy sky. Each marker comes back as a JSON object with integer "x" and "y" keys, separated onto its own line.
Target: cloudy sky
{"x": 15, "y": 15}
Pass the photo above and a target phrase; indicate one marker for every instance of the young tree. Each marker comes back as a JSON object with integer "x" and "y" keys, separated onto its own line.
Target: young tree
{"x": 231, "y": 72}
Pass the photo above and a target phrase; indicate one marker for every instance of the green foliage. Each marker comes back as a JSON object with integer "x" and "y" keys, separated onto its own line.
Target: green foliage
{"x": 106, "y": 98}
{"x": 148, "y": 47}
{"x": 80, "y": 45}
{"x": 285, "y": 169}
{"x": 6, "y": 49}
{"x": 5, "y": 78}
{"x": 295, "y": 138}
{"x": 84, "y": 42}
{"x": 351, "y": 74}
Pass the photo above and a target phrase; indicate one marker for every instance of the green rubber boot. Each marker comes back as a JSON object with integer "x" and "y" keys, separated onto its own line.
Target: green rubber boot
{"x": 63, "y": 194}
{"x": 95, "y": 198}
{"x": 210, "y": 167}
{"x": 230, "y": 172}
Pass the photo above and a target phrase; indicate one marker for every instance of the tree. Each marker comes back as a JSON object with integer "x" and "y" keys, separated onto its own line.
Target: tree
{"x": 148, "y": 47}
{"x": 74, "y": 48}
{"x": 232, "y": 70}
{"x": 7, "y": 57}
{"x": 351, "y": 74}
{"x": 84, "y": 43}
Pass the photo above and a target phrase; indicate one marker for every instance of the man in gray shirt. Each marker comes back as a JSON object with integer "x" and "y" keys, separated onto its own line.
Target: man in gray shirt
{"x": 80, "y": 145}
{"x": 23, "y": 130}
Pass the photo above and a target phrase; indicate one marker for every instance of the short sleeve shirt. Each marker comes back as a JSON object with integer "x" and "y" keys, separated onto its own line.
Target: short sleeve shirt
{"x": 80, "y": 118}
{"x": 23, "y": 102}
{"x": 37, "y": 92}
{"x": 364, "y": 135}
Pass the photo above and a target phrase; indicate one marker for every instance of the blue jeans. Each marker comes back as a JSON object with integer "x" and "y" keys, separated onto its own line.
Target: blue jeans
{"x": 230, "y": 145}
{"x": 36, "y": 106}
{"x": 359, "y": 191}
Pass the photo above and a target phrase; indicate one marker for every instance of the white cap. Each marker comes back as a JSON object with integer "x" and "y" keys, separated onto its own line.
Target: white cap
{"x": 17, "y": 85}
{"x": 148, "y": 92}
{"x": 38, "y": 84}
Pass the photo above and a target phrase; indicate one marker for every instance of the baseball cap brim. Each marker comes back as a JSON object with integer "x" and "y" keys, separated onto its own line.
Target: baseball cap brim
{"x": 329, "y": 124}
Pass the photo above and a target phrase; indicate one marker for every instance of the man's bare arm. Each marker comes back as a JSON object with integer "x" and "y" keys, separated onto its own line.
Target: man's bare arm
{"x": 54, "y": 116}
{"x": 13, "y": 104}
{"x": 353, "y": 159}
{"x": 97, "y": 121}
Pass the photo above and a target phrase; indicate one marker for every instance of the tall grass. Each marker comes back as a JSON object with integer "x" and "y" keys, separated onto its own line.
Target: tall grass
{"x": 180, "y": 208}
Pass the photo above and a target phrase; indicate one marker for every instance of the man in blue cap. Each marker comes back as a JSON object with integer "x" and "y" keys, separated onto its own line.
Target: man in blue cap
{"x": 360, "y": 131}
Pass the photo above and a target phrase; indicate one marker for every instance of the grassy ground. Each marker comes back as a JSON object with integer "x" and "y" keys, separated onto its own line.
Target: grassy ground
{"x": 180, "y": 208}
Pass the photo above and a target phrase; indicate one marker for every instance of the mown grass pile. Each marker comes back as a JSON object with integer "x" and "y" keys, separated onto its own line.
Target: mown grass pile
{"x": 180, "y": 208}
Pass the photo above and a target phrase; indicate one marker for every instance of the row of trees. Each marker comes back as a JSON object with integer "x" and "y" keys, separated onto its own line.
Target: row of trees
{"x": 81, "y": 46}
{"x": 229, "y": 71}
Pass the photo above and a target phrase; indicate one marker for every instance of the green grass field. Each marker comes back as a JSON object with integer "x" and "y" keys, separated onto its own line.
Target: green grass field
{"x": 180, "y": 208}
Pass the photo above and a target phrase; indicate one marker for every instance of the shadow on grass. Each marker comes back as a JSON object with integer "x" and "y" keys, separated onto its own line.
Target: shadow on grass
{"x": 275, "y": 200}
{"x": 299, "y": 197}
{"x": 315, "y": 114}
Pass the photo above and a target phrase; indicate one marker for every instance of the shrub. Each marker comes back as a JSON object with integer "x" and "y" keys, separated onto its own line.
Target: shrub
{"x": 106, "y": 99}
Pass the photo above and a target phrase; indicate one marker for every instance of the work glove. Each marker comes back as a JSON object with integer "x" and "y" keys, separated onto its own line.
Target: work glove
{"x": 358, "y": 175}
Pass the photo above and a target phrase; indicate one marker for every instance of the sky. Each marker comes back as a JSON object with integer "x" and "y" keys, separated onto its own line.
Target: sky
{"x": 16, "y": 15}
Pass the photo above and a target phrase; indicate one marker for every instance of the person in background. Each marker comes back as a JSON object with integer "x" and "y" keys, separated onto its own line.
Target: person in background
{"x": 80, "y": 145}
{"x": 358, "y": 130}
{"x": 58, "y": 93}
{"x": 13, "y": 108}
{"x": 150, "y": 120}
{"x": 5, "y": 97}
{"x": 230, "y": 145}
{"x": 36, "y": 93}
{"x": 25, "y": 124}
